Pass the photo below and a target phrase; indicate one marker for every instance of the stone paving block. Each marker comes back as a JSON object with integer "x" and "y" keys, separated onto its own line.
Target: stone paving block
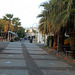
{"x": 35, "y": 60}
{"x": 13, "y": 48}
{"x": 34, "y": 49}
{"x": 37, "y": 52}
{"x": 60, "y": 72}
{"x": 11, "y": 56}
{"x": 14, "y": 44}
{"x": 11, "y": 45}
{"x": 52, "y": 63}
{"x": 43, "y": 57}
{"x": 13, "y": 72}
{"x": 11, "y": 51}
{"x": 12, "y": 62}
{"x": 31, "y": 46}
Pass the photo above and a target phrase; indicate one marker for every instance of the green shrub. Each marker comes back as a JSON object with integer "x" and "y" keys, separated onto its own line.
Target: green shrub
{"x": 11, "y": 40}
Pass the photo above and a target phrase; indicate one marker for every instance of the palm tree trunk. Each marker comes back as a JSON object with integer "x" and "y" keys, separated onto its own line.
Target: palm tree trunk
{"x": 74, "y": 22}
{"x": 9, "y": 26}
{"x": 60, "y": 41}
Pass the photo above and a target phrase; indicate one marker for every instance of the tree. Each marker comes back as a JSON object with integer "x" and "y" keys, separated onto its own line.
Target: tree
{"x": 3, "y": 23}
{"x": 34, "y": 31}
{"x": 16, "y": 24}
{"x": 8, "y": 17}
{"x": 43, "y": 22}
{"x": 21, "y": 32}
{"x": 60, "y": 15}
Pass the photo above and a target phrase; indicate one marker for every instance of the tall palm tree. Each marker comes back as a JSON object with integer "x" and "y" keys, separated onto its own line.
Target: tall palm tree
{"x": 16, "y": 23}
{"x": 44, "y": 21}
{"x": 57, "y": 13}
{"x": 61, "y": 14}
{"x": 8, "y": 17}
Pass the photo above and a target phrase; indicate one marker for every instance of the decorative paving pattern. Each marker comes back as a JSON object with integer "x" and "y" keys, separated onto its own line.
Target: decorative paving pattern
{"x": 24, "y": 58}
{"x": 34, "y": 69}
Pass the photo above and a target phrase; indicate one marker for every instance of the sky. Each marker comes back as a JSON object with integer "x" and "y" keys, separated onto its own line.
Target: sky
{"x": 26, "y": 10}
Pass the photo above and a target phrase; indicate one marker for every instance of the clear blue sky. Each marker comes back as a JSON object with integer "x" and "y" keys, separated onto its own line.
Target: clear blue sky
{"x": 26, "y": 10}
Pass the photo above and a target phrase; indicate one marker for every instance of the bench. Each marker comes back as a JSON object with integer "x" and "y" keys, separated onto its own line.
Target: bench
{"x": 67, "y": 50}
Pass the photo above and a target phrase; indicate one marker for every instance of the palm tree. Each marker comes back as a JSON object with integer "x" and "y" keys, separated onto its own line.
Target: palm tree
{"x": 61, "y": 14}
{"x": 43, "y": 22}
{"x": 8, "y": 17}
{"x": 16, "y": 24}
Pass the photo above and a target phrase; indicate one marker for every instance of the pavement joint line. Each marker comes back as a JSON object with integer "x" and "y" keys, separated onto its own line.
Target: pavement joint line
{"x": 58, "y": 68}
{"x": 12, "y": 49}
{"x": 39, "y": 54}
{"x": 14, "y": 67}
{"x": 34, "y": 69}
{"x": 48, "y": 59}
{"x": 41, "y": 68}
{"x": 13, "y": 58}
{"x": 36, "y": 50}
{"x": 11, "y": 53}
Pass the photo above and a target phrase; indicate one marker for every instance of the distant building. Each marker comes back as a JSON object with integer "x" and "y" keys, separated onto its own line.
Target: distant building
{"x": 30, "y": 31}
{"x": 34, "y": 32}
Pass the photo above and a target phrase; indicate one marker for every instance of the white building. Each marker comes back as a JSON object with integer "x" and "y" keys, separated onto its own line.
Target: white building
{"x": 38, "y": 36}
{"x": 30, "y": 32}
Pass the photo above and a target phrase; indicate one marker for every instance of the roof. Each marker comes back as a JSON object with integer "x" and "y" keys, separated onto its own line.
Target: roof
{"x": 9, "y": 32}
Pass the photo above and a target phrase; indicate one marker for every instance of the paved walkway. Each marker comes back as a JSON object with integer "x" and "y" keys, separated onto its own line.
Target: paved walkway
{"x": 24, "y": 58}
{"x": 3, "y": 45}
